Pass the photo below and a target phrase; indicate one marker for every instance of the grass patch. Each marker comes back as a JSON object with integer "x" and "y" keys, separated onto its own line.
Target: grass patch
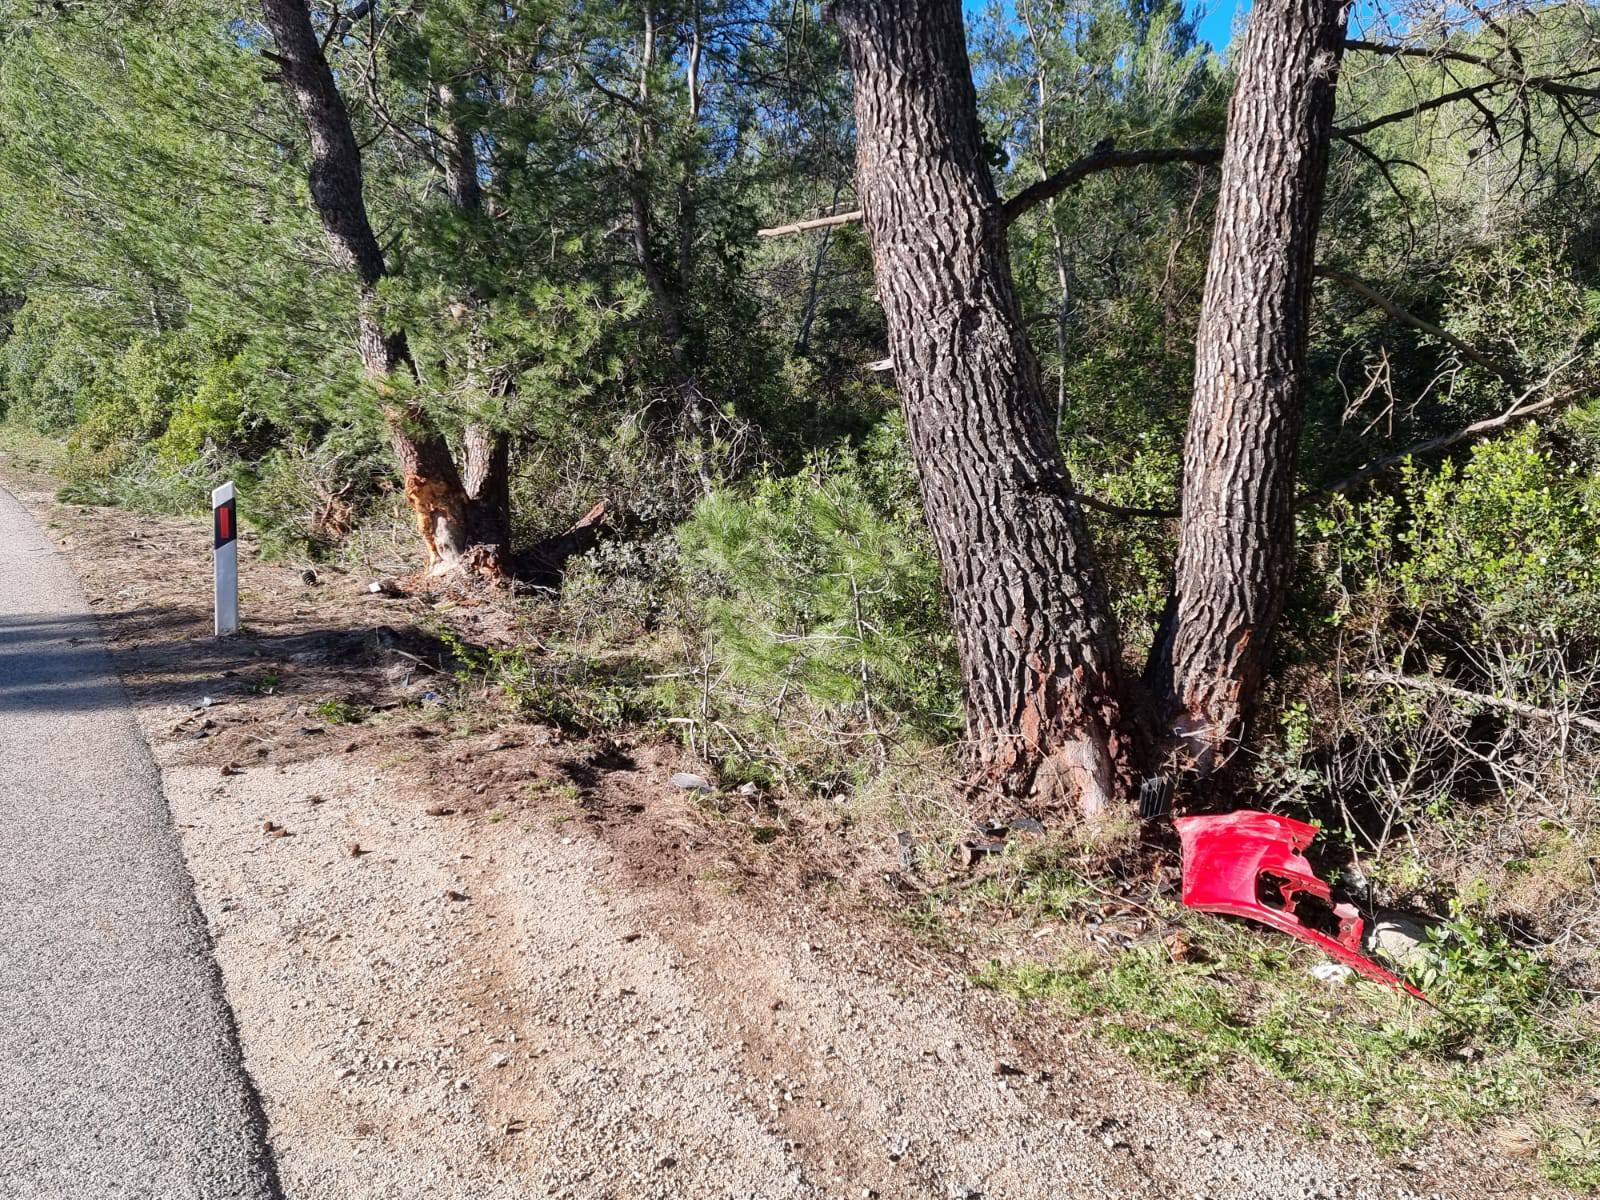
{"x": 341, "y": 712}
{"x": 1509, "y": 1047}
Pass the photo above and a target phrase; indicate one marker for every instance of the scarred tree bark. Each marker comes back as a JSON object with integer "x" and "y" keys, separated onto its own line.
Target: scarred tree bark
{"x": 433, "y": 486}
{"x": 1046, "y": 710}
{"x": 1236, "y": 546}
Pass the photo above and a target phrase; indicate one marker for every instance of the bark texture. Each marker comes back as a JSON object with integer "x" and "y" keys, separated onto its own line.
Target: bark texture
{"x": 1236, "y": 547}
{"x": 1039, "y": 649}
{"x": 433, "y": 486}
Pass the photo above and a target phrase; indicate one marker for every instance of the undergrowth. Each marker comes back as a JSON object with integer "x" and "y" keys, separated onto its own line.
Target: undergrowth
{"x": 1508, "y": 1050}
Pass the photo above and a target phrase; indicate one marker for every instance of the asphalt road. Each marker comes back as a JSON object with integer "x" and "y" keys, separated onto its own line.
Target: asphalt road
{"x": 120, "y": 1069}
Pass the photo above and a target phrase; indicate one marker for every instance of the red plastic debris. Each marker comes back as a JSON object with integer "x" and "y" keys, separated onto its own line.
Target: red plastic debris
{"x": 1237, "y": 862}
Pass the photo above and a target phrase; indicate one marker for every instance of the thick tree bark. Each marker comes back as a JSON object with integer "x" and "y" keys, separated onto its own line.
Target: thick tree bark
{"x": 1236, "y": 547}
{"x": 1046, "y": 711}
{"x": 433, "y": 486}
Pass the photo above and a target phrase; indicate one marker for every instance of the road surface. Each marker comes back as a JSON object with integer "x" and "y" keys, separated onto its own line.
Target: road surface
{"x": 120, "y": 1070}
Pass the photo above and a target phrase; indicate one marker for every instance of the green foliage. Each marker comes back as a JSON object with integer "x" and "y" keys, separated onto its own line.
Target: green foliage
{"x": 1506, "y": 539}
{"x": 826, "y": 584}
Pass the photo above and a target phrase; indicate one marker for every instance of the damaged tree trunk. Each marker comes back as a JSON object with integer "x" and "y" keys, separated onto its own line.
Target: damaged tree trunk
{"x": 1236, "y": 547}
{"x": 433, "y": 486}
{"x": 1046, "y": 710}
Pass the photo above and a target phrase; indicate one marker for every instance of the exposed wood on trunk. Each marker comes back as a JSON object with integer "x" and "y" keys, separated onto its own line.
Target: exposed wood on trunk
{"x": 1236, "y": 546}
{"x": 432, "y": 485}
{"x": 1046, "y": 711}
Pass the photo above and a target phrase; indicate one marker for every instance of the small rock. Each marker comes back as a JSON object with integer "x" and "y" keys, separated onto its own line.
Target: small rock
{"x": 385, "y": 587}
{"x": 354, "y": 850}
{"x": 500, "y": 1060}
{"x": 971, "y": 850}
{"x": 667, "y": 1163}
{"x": 689, "y": 782}
{"x": 439, "y": 810}
{"x": 232, "y": 769}
{"x": 908, "y": 850}
{"x": 452, "y": 894}
{"x": 1331, "y": 972}
{"x": 1400, "y": 938}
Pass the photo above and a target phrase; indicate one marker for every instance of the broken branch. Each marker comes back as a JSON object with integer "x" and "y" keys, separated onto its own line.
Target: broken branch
{"x": 844, "y": 218}
{"x": 1052, "y": 186}
{"x": 1046, "y": 189}
{"x": 1520, "y": 410}
{"x": 1405, "y": 317}
{"x": 1520, "y": 707}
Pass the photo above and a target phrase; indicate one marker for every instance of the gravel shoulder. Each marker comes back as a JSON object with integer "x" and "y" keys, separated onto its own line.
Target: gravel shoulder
{"x": 494, "y": 963}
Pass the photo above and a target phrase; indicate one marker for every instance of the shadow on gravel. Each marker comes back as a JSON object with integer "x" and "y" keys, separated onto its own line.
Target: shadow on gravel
{"x": 51, "y": 663}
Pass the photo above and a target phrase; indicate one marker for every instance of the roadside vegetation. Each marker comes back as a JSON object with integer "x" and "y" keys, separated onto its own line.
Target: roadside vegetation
{"x": 563, "y": 305}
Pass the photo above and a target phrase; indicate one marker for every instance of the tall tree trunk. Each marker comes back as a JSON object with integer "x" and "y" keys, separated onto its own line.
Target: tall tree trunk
{"x": 433, "y": 486}
{"x": 487, "y": 452}
{"x": 1236, "y": 548}
{"x": 1046, "y": 712}
{"x": 666, "y": 291}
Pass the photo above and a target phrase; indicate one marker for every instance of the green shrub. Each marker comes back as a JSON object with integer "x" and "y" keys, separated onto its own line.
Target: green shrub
{"x": 1508, "y": 539}
{"x": 825, "y": 584}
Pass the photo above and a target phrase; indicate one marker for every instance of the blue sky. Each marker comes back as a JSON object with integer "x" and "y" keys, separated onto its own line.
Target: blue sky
{"x": 1216, "y": 26}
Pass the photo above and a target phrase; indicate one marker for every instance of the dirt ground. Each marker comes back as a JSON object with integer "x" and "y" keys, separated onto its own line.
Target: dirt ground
{"x": 493, "y": 962}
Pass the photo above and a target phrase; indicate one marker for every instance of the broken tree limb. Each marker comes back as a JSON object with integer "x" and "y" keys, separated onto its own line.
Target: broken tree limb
{"x": 1047, "y": 188}
{"x": 1554, "y": 85}
{"x": 1438, "y": 686}
{"x": 1520, "y": 410}
{"x": 1102, "y": 160}
{"x": 844, "y": 218}
{"x": 1405, "y": 317}
{"x": 545, "y": 561}
{"x": 1123, "y": 510}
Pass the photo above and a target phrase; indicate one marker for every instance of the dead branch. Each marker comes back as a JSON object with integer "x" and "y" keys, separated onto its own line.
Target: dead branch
{"x": 1438, "y": 686}
{"x": 1405, "y": 317}
{"x": 844, "y": 218}
{"x": 1122, "y": 510}
{"x": 1101, "y": 160}
{"x": 1520, "y": 410}
{"x": 1046, "y": 189}
{"x": 1551, "y": 85}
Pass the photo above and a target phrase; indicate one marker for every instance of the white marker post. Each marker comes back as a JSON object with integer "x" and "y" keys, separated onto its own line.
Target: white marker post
{"x": 225, "y": 542}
